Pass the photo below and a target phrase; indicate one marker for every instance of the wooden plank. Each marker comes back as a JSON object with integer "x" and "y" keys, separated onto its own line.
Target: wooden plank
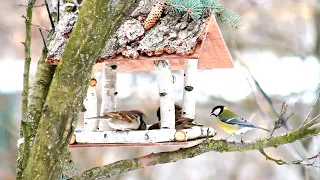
{"x": 177, "y": 144}
{"x": 146, "y": 136}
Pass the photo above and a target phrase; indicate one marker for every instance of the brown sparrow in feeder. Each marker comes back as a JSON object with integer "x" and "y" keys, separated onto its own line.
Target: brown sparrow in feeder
{"x": 125, "y": 120}
{"x": 185, "y": 123}
{"x": 178, "y": 113}
{"x": 177, "y": 109}
{"x": 181, "y": 123}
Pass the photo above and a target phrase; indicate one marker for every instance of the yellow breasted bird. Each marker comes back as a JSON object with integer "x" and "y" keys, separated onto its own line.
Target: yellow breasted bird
{"x": 231, "y": 123}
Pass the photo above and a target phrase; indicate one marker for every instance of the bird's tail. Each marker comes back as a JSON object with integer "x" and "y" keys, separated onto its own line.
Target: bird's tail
{"x": 256, "y": 127}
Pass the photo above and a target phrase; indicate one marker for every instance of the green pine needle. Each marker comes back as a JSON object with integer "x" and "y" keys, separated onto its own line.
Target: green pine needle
{"x": 196, "y": 9}
{"x": 188, "y": 8}
{"x": 228, "y": 18}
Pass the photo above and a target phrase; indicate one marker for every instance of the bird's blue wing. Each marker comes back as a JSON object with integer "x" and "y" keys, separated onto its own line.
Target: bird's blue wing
{"x": 238, "y": 121}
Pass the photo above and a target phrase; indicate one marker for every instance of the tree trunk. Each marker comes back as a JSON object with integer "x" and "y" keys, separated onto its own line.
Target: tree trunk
{"x": 97, "y": 21}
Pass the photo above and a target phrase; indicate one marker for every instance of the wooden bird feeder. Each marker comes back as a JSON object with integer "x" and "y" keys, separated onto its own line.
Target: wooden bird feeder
{"x": 173, "y": 43}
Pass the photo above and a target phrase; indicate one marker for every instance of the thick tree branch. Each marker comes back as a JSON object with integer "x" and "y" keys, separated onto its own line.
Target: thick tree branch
{"x": 207, "y": 146}
{"x": 97, "y": 21}
{"x": 25, "y": 92}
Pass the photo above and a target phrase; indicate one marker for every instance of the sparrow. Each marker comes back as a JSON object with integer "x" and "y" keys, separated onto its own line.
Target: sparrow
{"x": 125, "y": 120}
{"x": 185, "y": 123}
{"x": 177, "y": 109}
{"x": 231, "y": 123}
{"x": 181, "y": 123}
{"x": 178, "y": 113}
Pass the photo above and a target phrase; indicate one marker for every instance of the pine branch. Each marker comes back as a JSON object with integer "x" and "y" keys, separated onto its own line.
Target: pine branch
{"x": 195, "y": 9}
{"x": 228, "y": 18}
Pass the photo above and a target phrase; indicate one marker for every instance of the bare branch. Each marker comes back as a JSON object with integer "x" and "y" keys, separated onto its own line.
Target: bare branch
{"x": 302, "y": 161}
{"x": 44, "y": 41}
{"x": 22, "y": 5}
{"x": 40, "y": 27}
{"x": 314, "y": 104}
{"x": 282, "y": 120}
{"x": 278, "y": 161}
{"x": 49, "y": 14}
{"x": 313, "y": 121}
{"x": 296, "y": 162}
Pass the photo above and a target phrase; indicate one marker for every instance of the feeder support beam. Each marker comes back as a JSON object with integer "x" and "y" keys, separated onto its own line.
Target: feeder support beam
{"x": 189, "y": 90}
{"x": 91, "y": 108}
{"x": 165, "y": 84}
{"x": 109, "y": 92}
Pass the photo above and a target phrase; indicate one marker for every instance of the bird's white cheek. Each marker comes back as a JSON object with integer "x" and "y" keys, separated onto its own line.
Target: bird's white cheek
{"x": 217, "y": 111}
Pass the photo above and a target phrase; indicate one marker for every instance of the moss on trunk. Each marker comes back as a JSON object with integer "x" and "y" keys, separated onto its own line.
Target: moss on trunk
{"x": 97, "y": 21}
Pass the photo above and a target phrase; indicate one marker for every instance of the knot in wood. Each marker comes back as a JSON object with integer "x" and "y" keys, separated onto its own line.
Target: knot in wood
{"x": 163, "y": 94}
{"x": 188, "y": 88}
{"x": 114, "y": 67}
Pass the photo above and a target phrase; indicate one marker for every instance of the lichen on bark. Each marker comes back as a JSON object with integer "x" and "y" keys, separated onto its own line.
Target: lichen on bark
{"x": 98, "y": 20}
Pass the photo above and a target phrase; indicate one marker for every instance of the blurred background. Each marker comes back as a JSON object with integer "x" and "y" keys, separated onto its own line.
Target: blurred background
{"x": 278, "y": 44}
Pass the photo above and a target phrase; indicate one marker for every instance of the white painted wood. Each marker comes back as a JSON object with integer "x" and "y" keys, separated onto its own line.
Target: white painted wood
{"x": 109, "y": 93}
{"x": 194, "y": 133}
{"x": 166, "y": 94}
{"x": 189, "y": 89}
{"x": 90, "y": 104}
{"x": 148, "y": 136}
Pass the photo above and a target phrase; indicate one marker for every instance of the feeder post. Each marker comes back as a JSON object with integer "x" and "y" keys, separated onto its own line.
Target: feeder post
{"x": 109, "y": 92}
{"x": 189, "y": 90}
{"x": 91, "y": 107}
{"x": 166, "y": 94}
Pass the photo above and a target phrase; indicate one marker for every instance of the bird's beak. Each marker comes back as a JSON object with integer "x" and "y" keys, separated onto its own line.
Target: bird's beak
{"x": 211, "y": 114}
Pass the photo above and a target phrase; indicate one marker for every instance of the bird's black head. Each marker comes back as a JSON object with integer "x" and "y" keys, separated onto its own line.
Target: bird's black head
{"x": 217, "y": 110}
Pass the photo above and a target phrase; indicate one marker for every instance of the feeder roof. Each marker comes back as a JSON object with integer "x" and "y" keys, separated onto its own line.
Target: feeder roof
{"x": 212, "y": 53}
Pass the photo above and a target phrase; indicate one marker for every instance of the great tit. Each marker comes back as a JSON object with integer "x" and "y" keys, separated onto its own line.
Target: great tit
{"x": 231, "y": 123}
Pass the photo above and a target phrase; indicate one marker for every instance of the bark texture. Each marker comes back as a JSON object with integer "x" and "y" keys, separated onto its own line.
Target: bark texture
{"x": 98, "y": 20}
{"x": 172, "y": 33}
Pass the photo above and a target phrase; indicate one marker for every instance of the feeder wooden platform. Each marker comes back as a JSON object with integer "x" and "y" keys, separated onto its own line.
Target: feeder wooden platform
{"x": 157, "y": 137}
{"x": 172, "y": 144}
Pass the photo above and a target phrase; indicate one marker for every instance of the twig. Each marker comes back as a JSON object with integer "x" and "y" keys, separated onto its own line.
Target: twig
{"x": 278, "y": 161}
{"x": 296, "y": 162}
{"x": 44, "y": 41}
{"x": 313, "y": 121}
{"x": 314, "y": 104}
{"x": 22, "y": 5}
{"x": 301, "y": 162}
{"x": 40, "y": 27}
{"x": 58, "y": 16}
{"x": 49, "y": 14}
{"x": 282, "y": 120}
